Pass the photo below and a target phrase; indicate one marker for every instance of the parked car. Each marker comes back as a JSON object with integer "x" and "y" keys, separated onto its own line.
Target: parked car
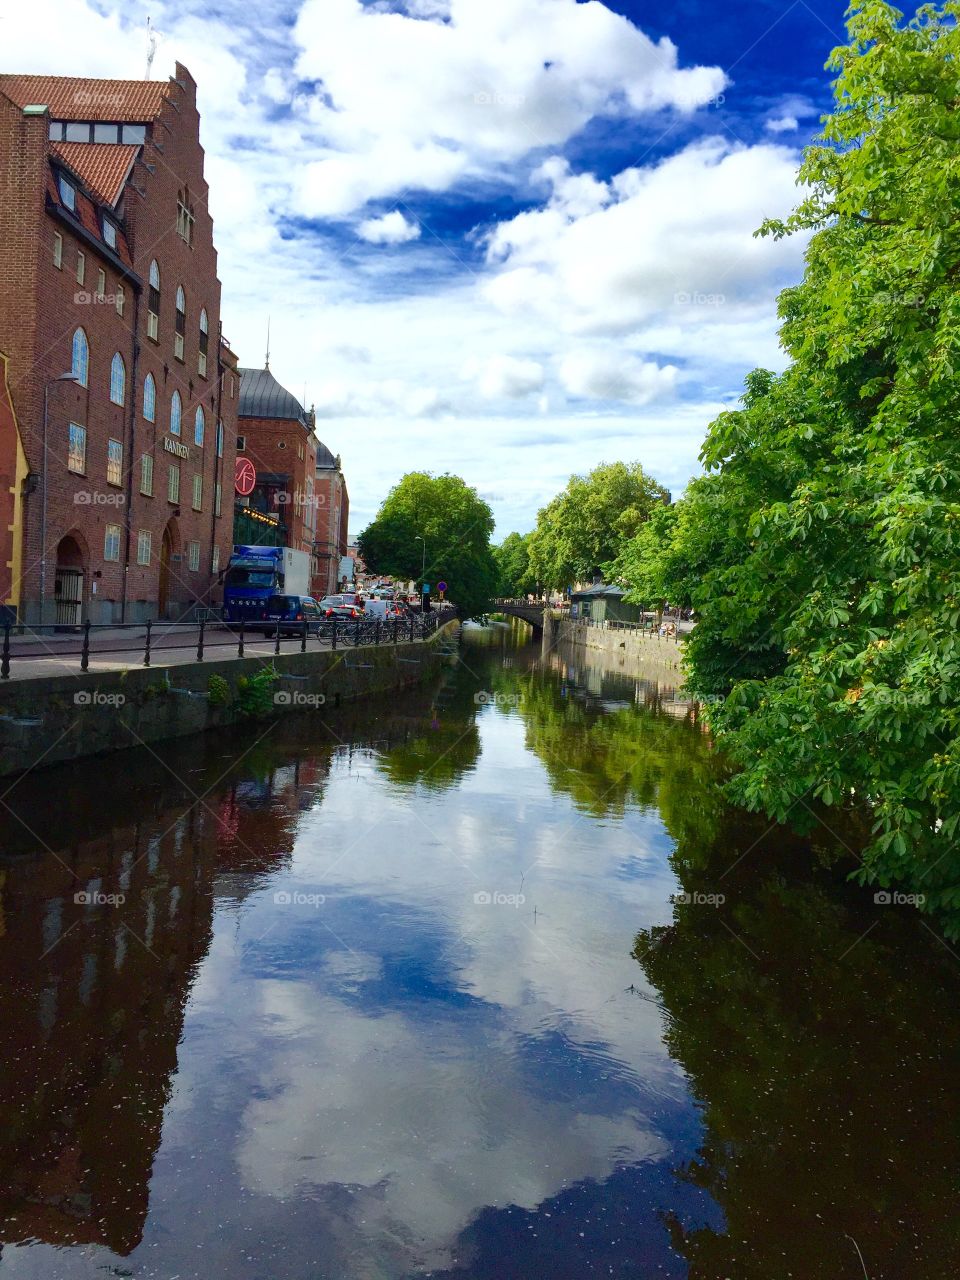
{"x": 342, "y": 606}
{"x": 290, "y": 613}
{"x": 387, "y": 610}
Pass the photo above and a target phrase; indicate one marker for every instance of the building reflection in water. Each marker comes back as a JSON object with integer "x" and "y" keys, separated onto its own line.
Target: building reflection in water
{"x": 100, "y": 940}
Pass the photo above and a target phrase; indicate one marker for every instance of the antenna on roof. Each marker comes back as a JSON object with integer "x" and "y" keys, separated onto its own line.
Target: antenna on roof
{"x": 151, "y": 46}
{"x": 266, "y": 363}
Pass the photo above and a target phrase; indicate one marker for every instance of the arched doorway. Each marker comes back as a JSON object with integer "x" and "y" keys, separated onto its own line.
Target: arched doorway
{"x": 166, "y": 555}
{"x": 68, "y": 587}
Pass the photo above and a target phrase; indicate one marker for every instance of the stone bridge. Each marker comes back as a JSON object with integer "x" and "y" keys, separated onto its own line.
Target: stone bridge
{"x": 532, "y": 613}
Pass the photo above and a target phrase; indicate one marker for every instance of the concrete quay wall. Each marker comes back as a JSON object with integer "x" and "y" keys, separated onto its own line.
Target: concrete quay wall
{"x": 47, "y": 720}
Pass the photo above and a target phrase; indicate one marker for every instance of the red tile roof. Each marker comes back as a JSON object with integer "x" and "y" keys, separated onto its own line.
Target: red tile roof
{"x": 75, "y": 98}
{"x": 101, "y": 166}
{"x": 86, "y": 215}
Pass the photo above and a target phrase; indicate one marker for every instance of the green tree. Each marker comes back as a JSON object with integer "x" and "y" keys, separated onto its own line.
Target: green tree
{"x": 455, "y": 525}
{"x": 830, "y": 616}
{"x": 513, "y": 562}
{"x": 583, "y": 528}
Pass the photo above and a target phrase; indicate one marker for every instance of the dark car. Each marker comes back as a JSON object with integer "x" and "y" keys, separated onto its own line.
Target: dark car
{"x": 290, "y": 613}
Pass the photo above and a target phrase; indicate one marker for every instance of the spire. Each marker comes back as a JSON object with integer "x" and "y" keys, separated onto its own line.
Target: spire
{"x": 266, "y": 363}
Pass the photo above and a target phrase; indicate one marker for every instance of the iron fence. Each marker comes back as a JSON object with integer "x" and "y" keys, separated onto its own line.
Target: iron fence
{"x": 145, "y": 641}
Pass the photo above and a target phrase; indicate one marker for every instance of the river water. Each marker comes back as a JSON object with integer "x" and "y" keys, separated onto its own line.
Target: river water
{"x": 484, "y": 982}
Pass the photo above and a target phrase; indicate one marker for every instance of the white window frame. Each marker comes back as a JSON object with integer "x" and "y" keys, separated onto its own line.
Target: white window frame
{"x": 173, "y": 484}
{"x": 111, "y": 542}
{"x": 144, "y": 546}
{"x": 146, "y": 475}
{"x": 193, "y": 557}
{"x": 80, "y": 470}
{"x": 58, "y": 250}
{"x": 81, "y": 266}
{"x": 115, "y": 462}
{"x": 197, "y": 492}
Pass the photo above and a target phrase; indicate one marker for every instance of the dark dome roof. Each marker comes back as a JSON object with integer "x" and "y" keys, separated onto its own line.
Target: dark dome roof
{"x": 261, "y": 396}
{"x": 325, "y": 459}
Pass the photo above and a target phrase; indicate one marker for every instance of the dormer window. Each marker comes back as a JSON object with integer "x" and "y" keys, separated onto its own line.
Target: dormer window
{"x": 110, "y": 233}
{"x": 68, "y": 193}
{"x": 184, "y": 215}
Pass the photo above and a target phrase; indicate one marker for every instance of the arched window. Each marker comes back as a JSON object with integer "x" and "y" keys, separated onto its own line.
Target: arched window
{"x": 80, "y": 364}
{"x": 204, "y": 343}
{"x": 149, "y": 398}
{"x": 153, "y": 302}
{"x": 118, "y": 379}
{"x": 176, "y": 412}
{"x": 180, "y": 323}
{"x": 198, "y": 425}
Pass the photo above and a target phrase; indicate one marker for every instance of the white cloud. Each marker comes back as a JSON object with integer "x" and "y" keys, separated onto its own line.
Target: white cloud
{"x": 413, "y": 101}
{"x": 783, "y": 124}
{"x": 392, "y": 228}
{"x": 676, "y": 232}
{"x": 610, "y": 375}
{"x": 505, "y": 377}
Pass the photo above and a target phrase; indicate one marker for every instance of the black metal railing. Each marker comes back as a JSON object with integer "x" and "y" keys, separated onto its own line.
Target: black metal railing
{"x": 149, "y": 642}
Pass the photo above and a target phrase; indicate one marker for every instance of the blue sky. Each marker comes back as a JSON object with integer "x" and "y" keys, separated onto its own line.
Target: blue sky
{"x": 510, "y": 239}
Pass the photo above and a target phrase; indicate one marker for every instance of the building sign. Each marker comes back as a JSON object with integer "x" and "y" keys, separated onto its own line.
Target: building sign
{"x": 174, "y": 446}
{"x": 245, "y": 477}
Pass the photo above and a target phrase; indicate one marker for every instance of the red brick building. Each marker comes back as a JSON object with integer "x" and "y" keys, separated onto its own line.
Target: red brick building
{"x": 108, "y": 273}
{"x": 298, "y": 479}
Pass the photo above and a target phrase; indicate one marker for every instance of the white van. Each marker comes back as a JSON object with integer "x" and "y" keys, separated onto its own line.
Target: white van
{"x": 385, "y": 609}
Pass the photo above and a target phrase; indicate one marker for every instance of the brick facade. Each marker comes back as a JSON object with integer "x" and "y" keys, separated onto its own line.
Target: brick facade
{"x": 298, "y": 479}
{"x": 159, "y": 211}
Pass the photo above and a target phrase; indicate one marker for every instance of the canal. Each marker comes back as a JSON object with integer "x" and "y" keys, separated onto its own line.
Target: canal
{"x": 481, "y": 983}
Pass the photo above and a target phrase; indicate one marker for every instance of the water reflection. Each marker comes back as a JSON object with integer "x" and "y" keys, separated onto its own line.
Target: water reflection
{"x": 358, "y": 1000}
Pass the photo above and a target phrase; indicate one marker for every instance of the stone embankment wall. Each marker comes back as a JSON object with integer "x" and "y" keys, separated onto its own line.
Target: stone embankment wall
{"x": 660, "y": 655}
{"x": 51, "y": 719}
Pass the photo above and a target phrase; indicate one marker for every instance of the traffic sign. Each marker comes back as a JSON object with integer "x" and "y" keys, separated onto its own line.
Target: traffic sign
{"x": 426, "y": 588}
{"x": 441, "y": 586}
{"x": 245, "y": 477}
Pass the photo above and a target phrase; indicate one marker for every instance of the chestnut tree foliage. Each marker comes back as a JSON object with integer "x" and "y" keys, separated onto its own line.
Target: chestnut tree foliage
{"x": 821, "y": 550}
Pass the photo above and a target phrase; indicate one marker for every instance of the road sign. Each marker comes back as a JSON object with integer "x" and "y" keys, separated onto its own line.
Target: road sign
{"x": 441, "y": 586}
{"x": 245, "y": 477}
{"x": 426, "y": 588}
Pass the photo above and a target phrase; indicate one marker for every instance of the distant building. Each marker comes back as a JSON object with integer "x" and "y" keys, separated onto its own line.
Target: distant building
{"x": 109, "y": 273}
{"x": 601, "y": 603}
{"x": 298, "y": 479}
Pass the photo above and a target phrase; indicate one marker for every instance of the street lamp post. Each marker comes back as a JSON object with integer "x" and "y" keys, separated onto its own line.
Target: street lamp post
{"x": 61, "y": 377}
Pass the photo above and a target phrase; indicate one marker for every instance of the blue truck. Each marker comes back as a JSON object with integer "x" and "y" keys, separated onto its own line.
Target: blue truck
{"x": 254, "y": 574}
